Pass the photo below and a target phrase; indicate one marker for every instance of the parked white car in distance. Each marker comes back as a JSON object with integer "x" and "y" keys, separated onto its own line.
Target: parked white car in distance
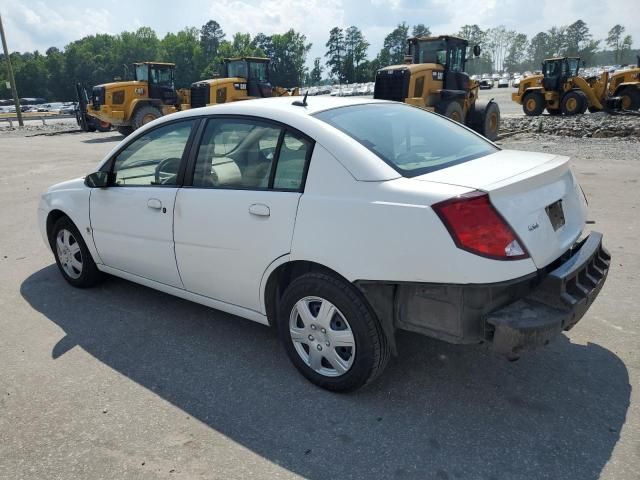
{"x": 338, "y": 222}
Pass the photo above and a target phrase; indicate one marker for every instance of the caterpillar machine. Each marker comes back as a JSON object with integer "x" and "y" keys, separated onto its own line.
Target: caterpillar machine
{"x": 434, "y": 77}
{"x": 128, "y": 105}
{"x": 560, "y": 90}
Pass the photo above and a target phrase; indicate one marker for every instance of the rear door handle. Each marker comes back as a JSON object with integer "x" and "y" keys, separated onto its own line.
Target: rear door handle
{"x": 154, "y": 203}
{"x": 259, "y": 209}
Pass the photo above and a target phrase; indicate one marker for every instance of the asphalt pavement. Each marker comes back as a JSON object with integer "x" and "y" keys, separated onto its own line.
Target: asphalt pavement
{"x": 121, "y": 381}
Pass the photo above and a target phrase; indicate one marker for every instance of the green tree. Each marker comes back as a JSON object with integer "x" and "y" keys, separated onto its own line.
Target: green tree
{"x": 420, "y": 30}
{"x": 396, "y": 43}
{"x": 355, "y": 53}
{"x": 615, "y": 41}
{"x": 183, "y": 49}
{"x": 335, "y": 51}
{"x": 288, "y": 58}
{"x": 517, "y": 53}
{"x": 538, "y": 50}
{"x": 315, "y": 77}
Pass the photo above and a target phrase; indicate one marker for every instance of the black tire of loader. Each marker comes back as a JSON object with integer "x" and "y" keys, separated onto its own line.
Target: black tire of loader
{"x": 485, "y": 119}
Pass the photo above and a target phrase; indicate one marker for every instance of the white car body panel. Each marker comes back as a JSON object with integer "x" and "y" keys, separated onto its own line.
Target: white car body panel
{"x": 521, "y": 185}
{"x": 223, "y": 249}
{"x": 71, "y": 198}
{"x": 385, "y": 230}
{"x": 133, "y": 237}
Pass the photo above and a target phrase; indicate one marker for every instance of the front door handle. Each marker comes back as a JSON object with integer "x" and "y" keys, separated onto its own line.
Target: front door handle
{"x": 259, "y": 209}
{"x": 154, "y": 203}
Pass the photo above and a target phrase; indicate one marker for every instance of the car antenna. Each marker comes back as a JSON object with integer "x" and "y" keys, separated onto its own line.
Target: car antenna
{"x": 302, "y": 103}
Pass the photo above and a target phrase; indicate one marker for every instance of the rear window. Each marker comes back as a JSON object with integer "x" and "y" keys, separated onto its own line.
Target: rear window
{"x": 412, "y": 140}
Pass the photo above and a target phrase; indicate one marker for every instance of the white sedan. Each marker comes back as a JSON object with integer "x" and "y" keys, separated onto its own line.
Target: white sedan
{"x": 337, "y": 221}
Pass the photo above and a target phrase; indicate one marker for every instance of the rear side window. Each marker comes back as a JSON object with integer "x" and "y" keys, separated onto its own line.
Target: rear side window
{"x": 410, "y": 139}
{"x": 292, "y": 160}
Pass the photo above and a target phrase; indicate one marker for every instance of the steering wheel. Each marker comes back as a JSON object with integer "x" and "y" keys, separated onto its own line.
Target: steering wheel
{"x": 167, "y": 171}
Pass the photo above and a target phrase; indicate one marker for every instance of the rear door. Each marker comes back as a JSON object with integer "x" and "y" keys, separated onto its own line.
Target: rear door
{"x": 238, "y": 215}
{"x": 132, "y": 219}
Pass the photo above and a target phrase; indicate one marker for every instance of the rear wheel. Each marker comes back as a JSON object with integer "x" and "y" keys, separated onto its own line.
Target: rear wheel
{"x": 330, "y": 333}
{"x": 533, "y": 104}
{"x": 630, "y": 98}
{"x": 485, "y": 119}
{"x": 103, "y": 126}
{"x": 144, "y": 115}
{"x": 573, "y": 103}
{"x": 453, "y": 110}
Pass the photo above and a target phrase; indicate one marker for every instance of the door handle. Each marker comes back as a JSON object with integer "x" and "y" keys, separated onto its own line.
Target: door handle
{"x": 154, "y": 203}
{"x": 259, "y": 209}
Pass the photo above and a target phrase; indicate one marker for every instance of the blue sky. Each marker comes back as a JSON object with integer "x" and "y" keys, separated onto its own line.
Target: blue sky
{"x": 37, "y": 24}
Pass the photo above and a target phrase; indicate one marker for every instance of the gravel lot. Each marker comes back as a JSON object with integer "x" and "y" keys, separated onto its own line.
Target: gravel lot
{"x": 122, "y": 381}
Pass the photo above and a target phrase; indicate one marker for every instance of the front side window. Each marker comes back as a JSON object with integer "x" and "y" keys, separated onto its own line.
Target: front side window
{"x": 258, "y": 71}
{"x": 238, "y": 68}
{"x": 154, "y": 158}
{"x": 142, "y": 73}
{"x": 162, "y": 76}
{"x": 236, "y": 153}
{"x": 410, "y": 139}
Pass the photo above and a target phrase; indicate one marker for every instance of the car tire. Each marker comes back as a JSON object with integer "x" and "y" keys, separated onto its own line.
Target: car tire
{"x": 72, "y": 255}
{"x": 144, "y": 115}
{"x": 330, "y": 333}
{"x": 533, "y": 104}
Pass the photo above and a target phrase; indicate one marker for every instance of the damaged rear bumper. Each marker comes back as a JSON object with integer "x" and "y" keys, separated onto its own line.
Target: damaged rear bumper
{"x": 513, "y": 316}
{"x": 557, "y": 304}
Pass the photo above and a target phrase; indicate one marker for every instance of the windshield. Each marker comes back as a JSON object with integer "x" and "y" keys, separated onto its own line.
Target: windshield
{"x": 162, "y": 76}
{"x": 142, "y": 73}
{"x": 574, "y": 65}
{"x": 429, "y": 52}
{"x": 412, "y": 140}
{"x": 258, "y": 71}
{"x": 238, "y": 69}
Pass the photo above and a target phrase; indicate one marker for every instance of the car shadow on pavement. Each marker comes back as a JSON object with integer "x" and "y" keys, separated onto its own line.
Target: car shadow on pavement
{"x": 439, "y": 411}
{"x": 104, "y": 139}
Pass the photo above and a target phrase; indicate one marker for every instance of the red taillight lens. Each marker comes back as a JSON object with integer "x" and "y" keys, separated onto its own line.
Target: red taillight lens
{"x": 476, "y": 226}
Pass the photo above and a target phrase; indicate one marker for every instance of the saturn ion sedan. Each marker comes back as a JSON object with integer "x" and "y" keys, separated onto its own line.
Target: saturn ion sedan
{"x": 338, "y": 222}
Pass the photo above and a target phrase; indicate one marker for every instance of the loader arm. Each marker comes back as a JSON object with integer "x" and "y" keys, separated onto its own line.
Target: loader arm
{"x": 594, "y": 96}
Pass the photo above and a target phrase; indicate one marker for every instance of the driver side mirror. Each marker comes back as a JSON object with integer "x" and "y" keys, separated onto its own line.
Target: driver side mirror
{"x": 97, "y": 180}
{"x": 476, "y": 50}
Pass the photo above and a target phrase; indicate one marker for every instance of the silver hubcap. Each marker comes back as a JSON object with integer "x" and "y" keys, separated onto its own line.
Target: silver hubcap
{"x": 322, "y": 336}
{"x": 69, "y": 253}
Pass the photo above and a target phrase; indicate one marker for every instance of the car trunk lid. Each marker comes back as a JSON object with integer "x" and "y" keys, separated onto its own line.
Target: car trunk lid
{"x": 536, "y": 194}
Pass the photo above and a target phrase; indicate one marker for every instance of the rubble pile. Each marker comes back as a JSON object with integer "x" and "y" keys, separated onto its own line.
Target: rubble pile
{"x": 590, "y": 125}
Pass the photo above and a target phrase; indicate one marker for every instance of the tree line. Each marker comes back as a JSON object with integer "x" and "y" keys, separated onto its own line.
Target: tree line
{"x": 197, "y": 53}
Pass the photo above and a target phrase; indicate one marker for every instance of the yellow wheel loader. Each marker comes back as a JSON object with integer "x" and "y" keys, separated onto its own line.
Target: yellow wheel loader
{"x": 243, "y": 78}
{"x": 560, "y": 90}
{"x": 434, "y": 78}
{"x": 151, "y": 94}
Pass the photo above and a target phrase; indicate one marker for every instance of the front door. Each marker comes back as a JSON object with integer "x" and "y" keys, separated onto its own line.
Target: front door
{"x": 132, "y": 219}
{"x": 238, "y": 216}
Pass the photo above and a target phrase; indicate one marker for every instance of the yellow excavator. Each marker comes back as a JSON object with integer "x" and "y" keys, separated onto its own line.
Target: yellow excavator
{"x": 434, "y": 78}
{"x": 560, "y": 90}
{"x": 128, "y": 105}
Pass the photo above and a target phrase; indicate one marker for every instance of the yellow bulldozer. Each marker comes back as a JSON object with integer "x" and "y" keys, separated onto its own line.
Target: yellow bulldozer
{"x": 560, "y": 90}
{"x": 128, "y": 105}
{"x": 434, "y": 78}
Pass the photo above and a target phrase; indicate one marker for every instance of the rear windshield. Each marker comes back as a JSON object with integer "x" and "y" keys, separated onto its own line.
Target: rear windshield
{"x": 412, "y": 140}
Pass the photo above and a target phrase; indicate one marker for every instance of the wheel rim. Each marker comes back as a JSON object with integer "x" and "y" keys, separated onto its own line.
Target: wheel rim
{"x": 531, "y": 104}
{"x": 149, "y": 117}
{"x": 322, "y": 337}
{"x": 572, "y": 104}
{"x": 69, "y": 253}
{"x": 493, "y": 122}
{"x": 625, "y": 102}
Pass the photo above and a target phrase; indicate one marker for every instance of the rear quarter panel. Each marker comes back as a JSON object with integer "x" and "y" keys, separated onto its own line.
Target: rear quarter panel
{"x": 385, "y": 231}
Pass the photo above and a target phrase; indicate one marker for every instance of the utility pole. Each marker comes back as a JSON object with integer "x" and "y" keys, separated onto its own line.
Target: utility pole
{"x": 12, "y": 80}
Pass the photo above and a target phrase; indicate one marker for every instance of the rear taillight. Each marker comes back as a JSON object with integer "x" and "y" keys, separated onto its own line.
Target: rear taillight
{"x": 477, "y": 227}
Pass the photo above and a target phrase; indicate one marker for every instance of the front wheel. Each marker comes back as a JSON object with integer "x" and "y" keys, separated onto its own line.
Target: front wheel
{"x": 72, "y": 255}
{"x": 533, "y": 104}
{"x": 144, "y": 115}
{"x": 330, "y": 333}
{"x": 630, "y": 98}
